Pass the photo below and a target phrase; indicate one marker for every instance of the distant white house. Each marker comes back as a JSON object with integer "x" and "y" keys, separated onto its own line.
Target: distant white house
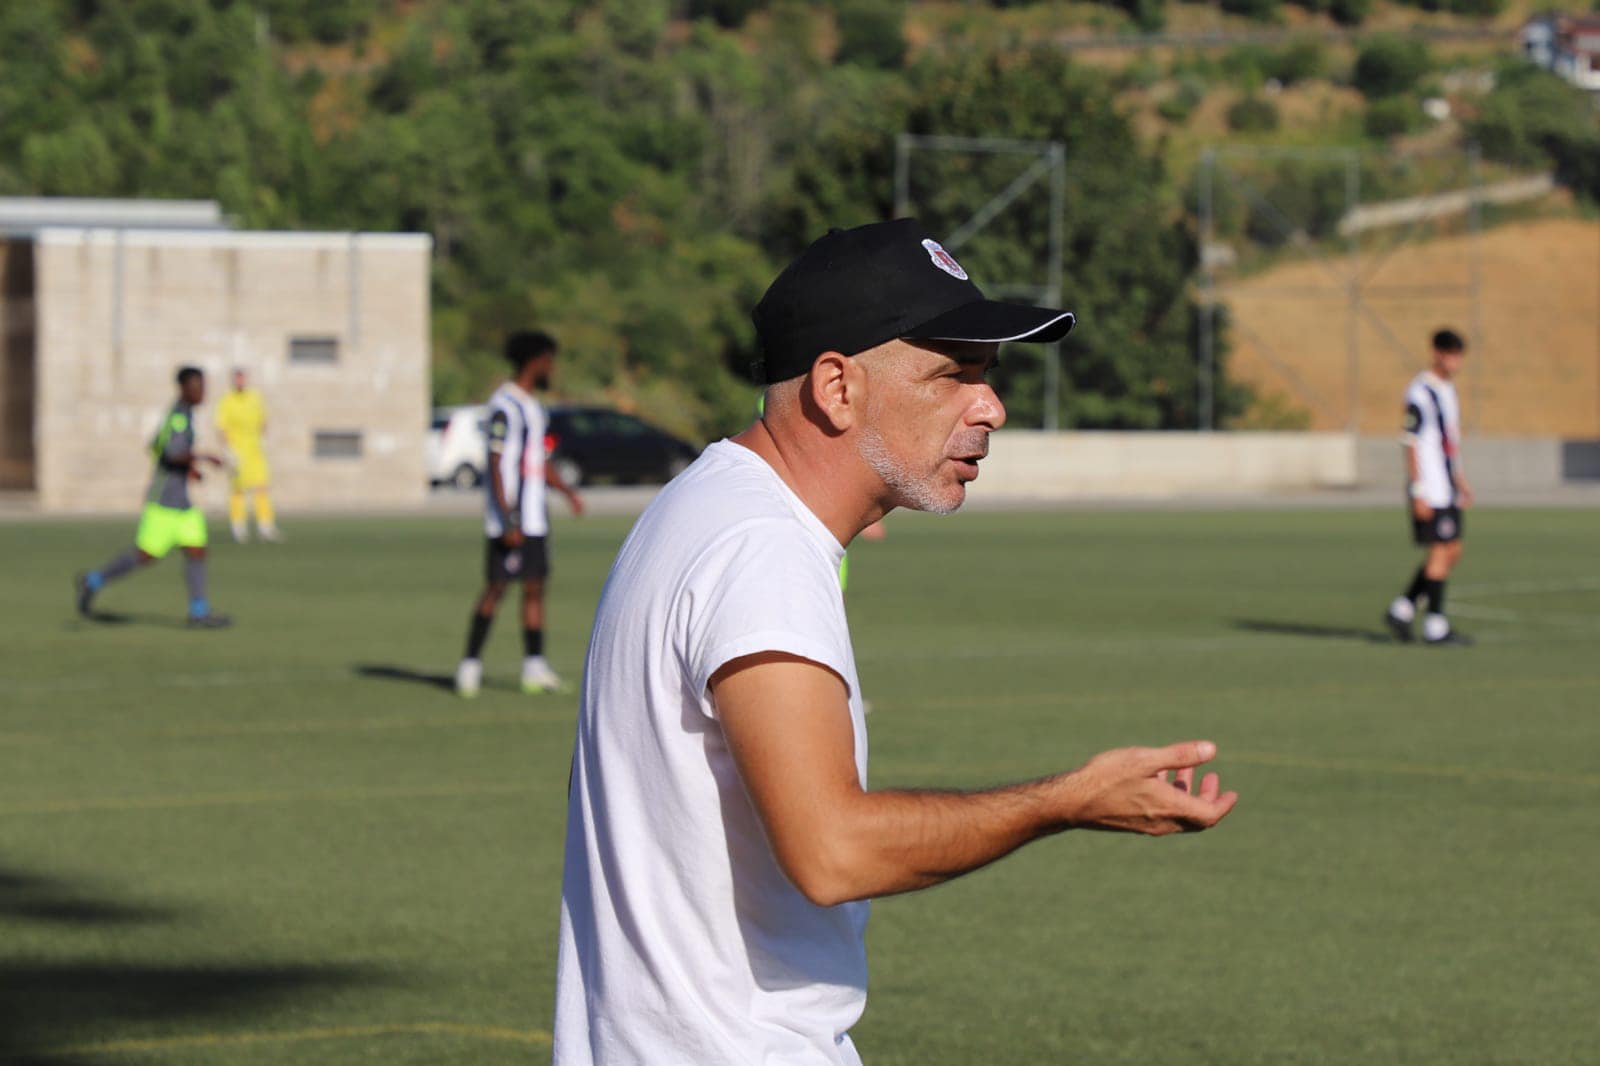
{"x": 1567, "y": 45}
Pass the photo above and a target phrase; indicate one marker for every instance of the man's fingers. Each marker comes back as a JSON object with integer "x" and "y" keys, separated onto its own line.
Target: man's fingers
{"x": 1210, "y": 786}
{"x": 1208, "y": 810}
{"x": 1184, "y": 779}
{"x": 1179, "y": 756}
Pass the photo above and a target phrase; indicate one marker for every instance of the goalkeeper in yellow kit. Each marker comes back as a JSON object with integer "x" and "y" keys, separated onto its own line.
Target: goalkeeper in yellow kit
{"x": 242, "y": 419}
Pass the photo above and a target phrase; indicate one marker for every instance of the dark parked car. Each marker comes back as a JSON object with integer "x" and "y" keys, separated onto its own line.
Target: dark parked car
{"x": 584, "y": 444}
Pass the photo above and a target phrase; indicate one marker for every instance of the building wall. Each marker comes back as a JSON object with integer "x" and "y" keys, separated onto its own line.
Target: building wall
{"x": 1031, "y": 465}
{"x": 16, "y": 364}
{"x": 118, "y": 311}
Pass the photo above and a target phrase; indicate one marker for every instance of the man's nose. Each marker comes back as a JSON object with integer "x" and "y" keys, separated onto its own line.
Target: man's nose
{"x": 986, "y": 409}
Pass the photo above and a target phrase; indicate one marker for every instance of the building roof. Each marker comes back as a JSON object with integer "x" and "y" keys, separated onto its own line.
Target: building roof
{"x": 25, "y": 216}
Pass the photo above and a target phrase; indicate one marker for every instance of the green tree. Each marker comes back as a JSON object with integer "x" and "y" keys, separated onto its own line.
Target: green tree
{"x": 1130, "y": 362}
{"x": 1534, "y": 119}
{"x": 1388, "y": 65}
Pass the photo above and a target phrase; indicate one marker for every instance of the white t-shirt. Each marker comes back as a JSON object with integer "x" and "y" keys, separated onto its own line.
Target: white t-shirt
{"x": 516, "y": 425}
{"x": 682, "y": 942}
{"x": 1433, "y": 428}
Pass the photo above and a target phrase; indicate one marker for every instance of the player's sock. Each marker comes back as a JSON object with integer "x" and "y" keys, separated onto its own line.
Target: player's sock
{"x": 237, "y": 516}
{"x": 194, "y": 577}
{"x": 1435, "y": 594}
{"x": 123, "y": 564}
{"x": 532, "y": 642}
{"x": 1419, "y": 582}
{"x": 477, "y": 634}
{"x": 266, "y": 520}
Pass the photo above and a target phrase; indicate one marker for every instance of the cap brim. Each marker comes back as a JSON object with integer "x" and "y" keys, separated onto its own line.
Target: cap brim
{"x": 990, "y": 322}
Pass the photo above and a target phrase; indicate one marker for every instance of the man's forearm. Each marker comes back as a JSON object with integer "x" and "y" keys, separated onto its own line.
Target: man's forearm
{"x": 899, "y": 840}
{"x": 497, "y": 486}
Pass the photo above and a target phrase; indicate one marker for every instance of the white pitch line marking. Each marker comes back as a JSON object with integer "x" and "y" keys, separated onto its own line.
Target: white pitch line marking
{"x": 1530, "y": 588}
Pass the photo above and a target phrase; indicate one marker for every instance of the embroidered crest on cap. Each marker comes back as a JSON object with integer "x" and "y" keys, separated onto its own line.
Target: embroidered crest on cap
{"x": 944, "y": 260}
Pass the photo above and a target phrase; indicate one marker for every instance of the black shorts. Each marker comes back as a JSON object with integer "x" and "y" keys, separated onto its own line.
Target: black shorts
{"x": 529, "y": 561}
{"x": 1443, "y": 528}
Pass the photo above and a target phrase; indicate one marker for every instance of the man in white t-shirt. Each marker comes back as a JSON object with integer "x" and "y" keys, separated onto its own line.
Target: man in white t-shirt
{"x": 1437, "y": 488}
{"x": 721, "y": 839}
{"x": 516, "y": 524}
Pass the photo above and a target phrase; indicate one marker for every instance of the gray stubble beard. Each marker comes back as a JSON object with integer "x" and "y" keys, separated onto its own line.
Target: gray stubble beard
{"x": 920, "y": 493}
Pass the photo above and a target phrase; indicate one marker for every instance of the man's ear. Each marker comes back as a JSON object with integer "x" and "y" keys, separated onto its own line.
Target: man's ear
{"x": 836, "y": 388}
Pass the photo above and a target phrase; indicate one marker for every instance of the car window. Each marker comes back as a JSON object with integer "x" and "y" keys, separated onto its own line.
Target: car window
{"x": 624, "y": 425}
{"x": 582, "y": 423}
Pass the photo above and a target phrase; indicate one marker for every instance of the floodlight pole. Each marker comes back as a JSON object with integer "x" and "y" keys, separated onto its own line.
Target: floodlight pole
{"x": 1052, "y": 351}
{"x": 1205, "y": 415}
{"x": 902, "y": 175}
{"x": 1352, "y": 198}
{"x": 1475, "y": 240}
{"x": 1051, "y": 161}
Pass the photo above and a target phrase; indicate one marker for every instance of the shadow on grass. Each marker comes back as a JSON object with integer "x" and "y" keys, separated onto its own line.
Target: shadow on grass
{"x": 66, "y": 1012}
{"x": 32, "y": 897}
{"x": 390, "y": 672}
{"x": 123, "y": 618}
{"x": 1311, "y": 629}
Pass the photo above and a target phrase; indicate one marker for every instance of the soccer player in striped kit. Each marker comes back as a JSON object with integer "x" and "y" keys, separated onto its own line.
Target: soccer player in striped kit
{"x": 1437, "y": 488}
{"x": 515, "y": 521}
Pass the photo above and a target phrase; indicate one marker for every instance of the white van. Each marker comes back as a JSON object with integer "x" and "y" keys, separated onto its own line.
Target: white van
{"x": 458, "y": 445}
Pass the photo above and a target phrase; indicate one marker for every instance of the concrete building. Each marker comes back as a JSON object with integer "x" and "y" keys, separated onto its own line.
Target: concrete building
{"x": 96, "y": 317}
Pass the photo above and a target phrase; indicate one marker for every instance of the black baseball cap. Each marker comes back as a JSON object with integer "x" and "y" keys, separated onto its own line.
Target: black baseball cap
{"x": 855, "y": 289}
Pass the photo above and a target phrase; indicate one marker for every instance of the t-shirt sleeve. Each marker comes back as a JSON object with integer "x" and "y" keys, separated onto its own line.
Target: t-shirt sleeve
{"x": 177, "y": 440}
{"x": 1412, "y": 423}
{"x": 768, "y": 589}
{"x": 498, "y": 430}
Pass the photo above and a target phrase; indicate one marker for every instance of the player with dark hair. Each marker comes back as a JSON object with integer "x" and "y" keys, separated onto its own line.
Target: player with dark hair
{"x": 169, "y": 518}
{"x": 1437, "y": 488}
{"x": 515, "y": 520}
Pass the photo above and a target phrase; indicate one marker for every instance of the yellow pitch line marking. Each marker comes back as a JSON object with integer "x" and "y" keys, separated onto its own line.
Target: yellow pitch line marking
{"x": 531, "y": 1037}
{"x": 1463, "y": 773}
{"x": 246, "y": 799}
{"x": 1300, "y": 762}
{"x": 362, "y": 725}
{"x": 557, "y": 715}
{"x": 1130, "y": 696}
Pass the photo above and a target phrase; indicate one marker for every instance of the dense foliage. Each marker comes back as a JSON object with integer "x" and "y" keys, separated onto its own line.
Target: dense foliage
{"x": 1532, "y": 118}
{"x": 619, "y": 173}
{"x": 629, "y": 174}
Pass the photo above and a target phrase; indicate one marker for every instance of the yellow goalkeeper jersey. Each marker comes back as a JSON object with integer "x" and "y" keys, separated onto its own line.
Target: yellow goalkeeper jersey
{"x": 241, "y": 416}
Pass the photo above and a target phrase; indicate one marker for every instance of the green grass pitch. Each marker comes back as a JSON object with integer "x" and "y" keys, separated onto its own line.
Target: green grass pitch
{"x": 289, "y": 843}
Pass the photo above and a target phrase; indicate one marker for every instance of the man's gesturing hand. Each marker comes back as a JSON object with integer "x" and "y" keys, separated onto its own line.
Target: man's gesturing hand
{"x": 1148, "y": 790}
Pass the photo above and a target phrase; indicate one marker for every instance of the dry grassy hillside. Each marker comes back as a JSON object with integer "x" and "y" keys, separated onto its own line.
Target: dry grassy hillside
{"x": 1534, "y": 370}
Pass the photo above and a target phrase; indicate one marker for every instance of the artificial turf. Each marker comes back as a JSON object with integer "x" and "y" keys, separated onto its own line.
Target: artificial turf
{"x": 289, "y": 842}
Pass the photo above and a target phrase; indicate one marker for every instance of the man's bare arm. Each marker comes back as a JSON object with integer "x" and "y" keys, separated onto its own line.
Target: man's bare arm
{"x": 1419, "y": 507}
{"x": 553, "y": 478}
{"x": 497, "y": 487}
{"x": 788, "y": 726}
